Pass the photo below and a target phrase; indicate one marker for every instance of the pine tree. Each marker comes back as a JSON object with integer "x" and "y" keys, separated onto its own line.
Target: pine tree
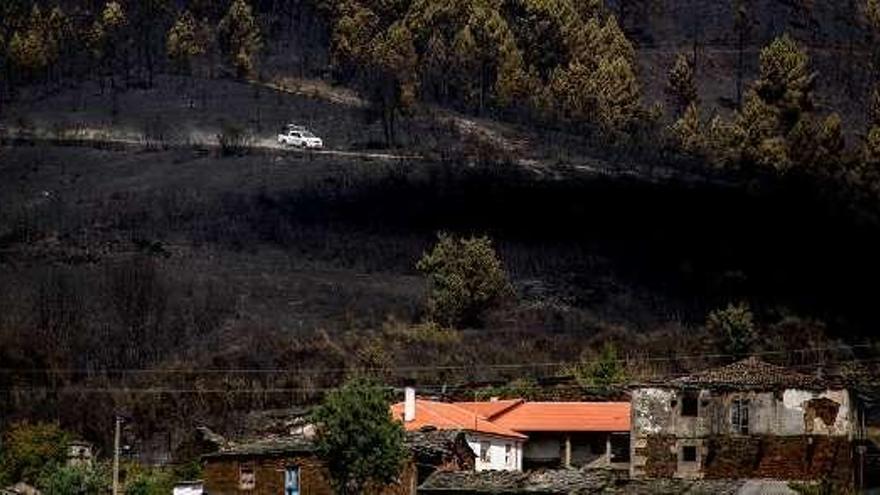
{"x": 183, "y": 42}
{"x": 240, "y": 38}
{"x": 785, "y": 80}
{"x": 394, "y": 81}
{"x": 774, "y": 127}
{"x": 831, "y": 145}
{"x": 742, "y": 24}
{"x": 688, "y": 131}
{"x": 513, "y": 84}
{"x": 680, "y": 86}
{"x": 874, "y": 106}
{"x": 617, "y": 93}
{"x": 108, "y": 40}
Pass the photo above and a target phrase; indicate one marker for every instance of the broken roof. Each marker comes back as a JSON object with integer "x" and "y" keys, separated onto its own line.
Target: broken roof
{"x": 432, "y": 446}
{"x": 751, "y": 374}
{"x": 267, "y": 446}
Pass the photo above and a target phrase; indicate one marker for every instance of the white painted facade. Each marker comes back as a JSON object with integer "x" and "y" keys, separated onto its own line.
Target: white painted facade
{"x": 189, "y": 488}
{"x": 495, "y": 453}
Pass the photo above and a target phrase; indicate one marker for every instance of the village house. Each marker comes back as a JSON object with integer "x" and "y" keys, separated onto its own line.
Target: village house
{"x": 512, "y": 435}
{"x": 496, "y": 448}
{"x": 749, "y": 419}
{"x": 288, "y": 465}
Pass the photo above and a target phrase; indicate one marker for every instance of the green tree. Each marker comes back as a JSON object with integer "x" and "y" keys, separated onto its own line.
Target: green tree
{"x": 617, "y": 93}
{"x": 465, "y": 278}
{"x": 35, "y": 48}
{"x": 602, "y": 371}
{"x": 394, "y": 79}
{"x": 183, "y": 43}
{"x": 871, "y": 149}
{"x": 149, "y": 482}
{"x": 357, "y": 437}
{"x": 680, "y": 86}
{"x": 108, "y": 40}
{"x": 830, "y": 145}
{"x": 688, "y": 131}
{"x": 735, "y": 325}
{"x": 240, "y": 38}
{"x": 774, "y": 128}
{"x": 785, "y": 80}
{"x": 31, "y": 450}
{"x": 742, "y": 24}
{"x": 872, "y": 14}
{"x": 874, "y": 106}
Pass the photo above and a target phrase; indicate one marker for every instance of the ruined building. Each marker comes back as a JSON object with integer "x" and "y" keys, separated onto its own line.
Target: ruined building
{"x": 750, "y": 419}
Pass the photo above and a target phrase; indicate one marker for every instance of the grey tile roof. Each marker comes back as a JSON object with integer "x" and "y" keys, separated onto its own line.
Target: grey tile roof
{"x": 752, "y": 374}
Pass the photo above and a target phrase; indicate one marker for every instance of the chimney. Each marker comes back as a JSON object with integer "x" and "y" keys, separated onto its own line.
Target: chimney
{"x": 409, "y": 404}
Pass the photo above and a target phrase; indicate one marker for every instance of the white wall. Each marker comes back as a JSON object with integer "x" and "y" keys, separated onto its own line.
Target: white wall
{"x": 188, "y": 489}
{"x": 497, "y": 452}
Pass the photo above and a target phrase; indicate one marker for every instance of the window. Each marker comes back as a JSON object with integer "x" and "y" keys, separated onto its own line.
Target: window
{"x": 690, "y": 404}
{"x": 689, "y": 453}
{"x": 291, "y": 481}
{"x": 484, "y": 452}
{"x": 739, "y": 416}
{"x": 247, "y": 478}
{"x": 508, "y": 455}
{"x": 620, "y": 447}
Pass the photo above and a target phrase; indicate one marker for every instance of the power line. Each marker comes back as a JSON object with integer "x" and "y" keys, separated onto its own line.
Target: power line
{"x": 318, "y": 371}
{"x": 429, "y": 389}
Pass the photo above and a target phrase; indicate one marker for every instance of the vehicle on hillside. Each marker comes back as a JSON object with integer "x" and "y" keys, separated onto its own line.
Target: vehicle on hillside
{"x": 300, "y": 137}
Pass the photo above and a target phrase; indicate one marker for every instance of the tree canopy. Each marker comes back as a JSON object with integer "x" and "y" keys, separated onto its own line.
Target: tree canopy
{"x": 357, "y": 437}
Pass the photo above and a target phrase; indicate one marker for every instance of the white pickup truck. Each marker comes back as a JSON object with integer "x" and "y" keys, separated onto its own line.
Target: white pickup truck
{"x": 300, "y": 137}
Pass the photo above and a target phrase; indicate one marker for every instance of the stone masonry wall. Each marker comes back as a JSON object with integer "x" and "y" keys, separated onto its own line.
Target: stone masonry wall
{"x": 221, "y": 476}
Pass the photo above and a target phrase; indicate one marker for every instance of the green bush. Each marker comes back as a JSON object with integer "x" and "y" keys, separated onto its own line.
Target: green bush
{"x": 74, "y": 480}
{"x": 600, "y": 372}
{"x": 150, "y": 482}
{"x": 465, "y": 279}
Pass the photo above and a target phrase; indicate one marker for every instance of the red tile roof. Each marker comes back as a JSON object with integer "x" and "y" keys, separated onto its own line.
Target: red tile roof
{"x": 566, "y": 416}
{"x": 489, "y": 409}
{"x": 448, "y": 416}
{"x": 514, "y": 418}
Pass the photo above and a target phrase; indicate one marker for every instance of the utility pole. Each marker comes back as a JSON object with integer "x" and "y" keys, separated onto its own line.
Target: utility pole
{"x": 116, "y": 441}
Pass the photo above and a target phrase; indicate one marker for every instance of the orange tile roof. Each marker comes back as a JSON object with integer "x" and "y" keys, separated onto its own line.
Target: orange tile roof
{"x": 566, "y": 416}
{"x": 446, "y": 416}
{"x": 489, "y": 409}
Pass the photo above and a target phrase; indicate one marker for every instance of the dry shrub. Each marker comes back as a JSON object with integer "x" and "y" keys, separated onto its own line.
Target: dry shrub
{"x": 234, "y": 140}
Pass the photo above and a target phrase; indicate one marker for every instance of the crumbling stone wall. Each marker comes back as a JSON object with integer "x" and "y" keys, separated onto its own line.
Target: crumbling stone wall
{"x": 791, "y": 434}
{"x": 660, "y": 456}
{"x": 790, "y": 458}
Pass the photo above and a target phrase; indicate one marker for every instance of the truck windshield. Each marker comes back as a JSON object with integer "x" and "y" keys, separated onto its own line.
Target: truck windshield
{"x": 308, "y": 134}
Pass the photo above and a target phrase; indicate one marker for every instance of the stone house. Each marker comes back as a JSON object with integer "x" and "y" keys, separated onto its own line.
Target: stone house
{"x": 750, "y": 419}
{"x": 512, "y": 435}
{"x": 288, "y": 465}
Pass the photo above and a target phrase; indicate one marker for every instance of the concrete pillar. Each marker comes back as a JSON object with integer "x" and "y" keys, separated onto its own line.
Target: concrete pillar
{"x": 567, "y": 460}
{"x": 608, "y": 448}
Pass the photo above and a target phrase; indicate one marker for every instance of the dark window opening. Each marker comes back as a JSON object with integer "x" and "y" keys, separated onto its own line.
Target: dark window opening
{"x": 690, "y": 404}
{"x": 739, "y": 416}
{"x": 620, "y": 447}
{"x": 689, "y": 453}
